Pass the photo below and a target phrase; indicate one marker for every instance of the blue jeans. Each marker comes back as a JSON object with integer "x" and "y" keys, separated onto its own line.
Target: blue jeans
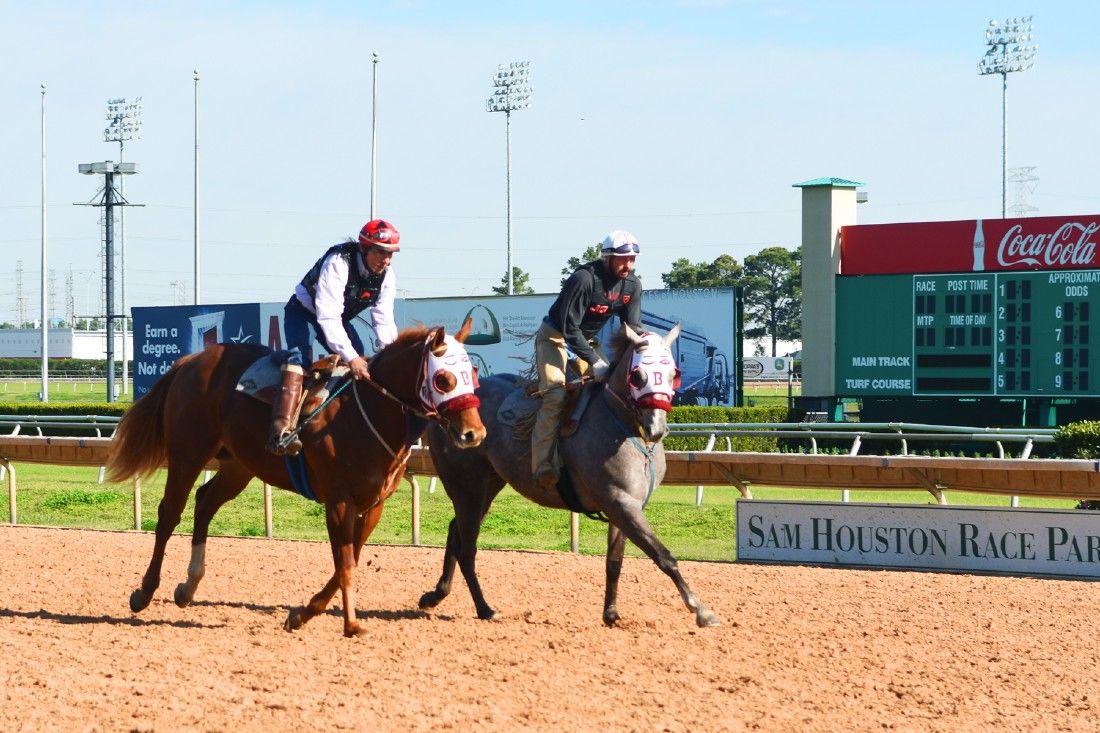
{"x": 296, "y": 322}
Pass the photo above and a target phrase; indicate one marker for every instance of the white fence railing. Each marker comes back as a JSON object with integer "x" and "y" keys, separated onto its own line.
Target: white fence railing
{"x": 1007, "y": 476}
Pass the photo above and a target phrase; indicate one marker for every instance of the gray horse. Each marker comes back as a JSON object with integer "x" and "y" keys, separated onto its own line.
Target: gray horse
{"x": 614, "y": 461}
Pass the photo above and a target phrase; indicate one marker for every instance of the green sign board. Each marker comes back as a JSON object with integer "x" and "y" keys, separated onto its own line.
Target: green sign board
{"x": 1010, "y": 334}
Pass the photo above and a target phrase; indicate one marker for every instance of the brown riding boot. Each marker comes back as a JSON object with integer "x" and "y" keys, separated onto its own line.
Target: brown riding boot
{"x": 284, "y": 412}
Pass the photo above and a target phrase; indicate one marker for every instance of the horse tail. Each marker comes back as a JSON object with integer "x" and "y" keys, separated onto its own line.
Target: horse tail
{"x": 139, "y": 447}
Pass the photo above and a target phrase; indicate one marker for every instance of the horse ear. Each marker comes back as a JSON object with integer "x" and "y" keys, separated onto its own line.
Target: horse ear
{"x": 437, "y": 342}
{"x": 463, "y": 332}
{"x": 633, "y": 335}
{"x": 672, "y": 335}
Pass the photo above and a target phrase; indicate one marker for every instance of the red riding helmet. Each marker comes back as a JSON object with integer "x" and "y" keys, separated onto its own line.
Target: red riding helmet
{"x": 380, "y": 233}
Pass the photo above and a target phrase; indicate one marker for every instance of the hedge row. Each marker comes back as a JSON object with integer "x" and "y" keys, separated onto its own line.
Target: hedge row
{"x": 720, "y": 414}
{"x": 1079, "y": 440}
{"x": 63, "y": 408}
{"x": 59, "y": 367}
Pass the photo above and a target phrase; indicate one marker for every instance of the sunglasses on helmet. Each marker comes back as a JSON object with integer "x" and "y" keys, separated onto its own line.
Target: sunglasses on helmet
{"x": 625, "y": 249}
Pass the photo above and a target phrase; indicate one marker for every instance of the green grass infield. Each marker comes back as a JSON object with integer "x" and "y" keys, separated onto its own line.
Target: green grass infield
{"x": 60, "y": 496}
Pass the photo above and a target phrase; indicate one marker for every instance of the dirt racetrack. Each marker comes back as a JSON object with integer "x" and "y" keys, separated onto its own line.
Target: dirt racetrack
{"x": 800, "y": 648}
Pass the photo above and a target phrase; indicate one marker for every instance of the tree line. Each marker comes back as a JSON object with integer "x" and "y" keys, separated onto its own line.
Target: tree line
{"x": 770, "y": 279}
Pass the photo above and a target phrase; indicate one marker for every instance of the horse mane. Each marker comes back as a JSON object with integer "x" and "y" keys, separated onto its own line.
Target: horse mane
{"x": 404, "y": 339}
{"x": 620, "y": 346}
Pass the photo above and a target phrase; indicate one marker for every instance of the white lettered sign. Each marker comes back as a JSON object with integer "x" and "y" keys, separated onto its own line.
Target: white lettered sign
{"x": 930, "y": 537}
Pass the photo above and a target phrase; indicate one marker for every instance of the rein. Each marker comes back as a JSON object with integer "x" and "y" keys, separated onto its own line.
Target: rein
{"x": 417, "y": 411}
{"x": 370, "y": 424}
{"x": 645, "y": 449}
{"x": 336, "y": 392}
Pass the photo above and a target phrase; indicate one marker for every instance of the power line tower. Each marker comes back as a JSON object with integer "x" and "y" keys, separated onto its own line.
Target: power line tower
{"x": 51, "y": 301}
{"x": 179, "y": 292}
{"x": 70, "y": 301}
{"x": 1025, "y": 181}
{"x": 20, "y": 299}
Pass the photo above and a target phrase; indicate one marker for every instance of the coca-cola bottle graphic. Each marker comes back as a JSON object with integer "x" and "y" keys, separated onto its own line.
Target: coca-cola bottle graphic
{"x": 979, "y": 248}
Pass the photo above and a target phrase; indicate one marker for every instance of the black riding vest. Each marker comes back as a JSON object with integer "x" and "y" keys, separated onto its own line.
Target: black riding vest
{"x": 360, "y": 293}
{"x": 609, "y": 298}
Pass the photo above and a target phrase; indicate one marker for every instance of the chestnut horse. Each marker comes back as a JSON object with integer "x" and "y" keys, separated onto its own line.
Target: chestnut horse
{"x": 614, "y": 460}
{"x": 355, "y": 449}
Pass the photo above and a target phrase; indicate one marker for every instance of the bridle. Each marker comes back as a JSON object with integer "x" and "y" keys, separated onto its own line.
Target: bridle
{"x": 651, "y": 381}
{"x": 444, "y": 383}
{"x": 650, "y": 385}
{"x": 648, "y": 380}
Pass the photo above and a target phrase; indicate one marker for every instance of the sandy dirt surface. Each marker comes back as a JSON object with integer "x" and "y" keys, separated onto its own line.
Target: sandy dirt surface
{"x": 800, "y": 648}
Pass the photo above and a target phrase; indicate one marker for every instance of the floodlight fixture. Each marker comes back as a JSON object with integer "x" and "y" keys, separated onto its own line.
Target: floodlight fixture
{"x": 511, "y": 92}
{"x": 124, "y": 118}
{"x": 1006, "y": 55}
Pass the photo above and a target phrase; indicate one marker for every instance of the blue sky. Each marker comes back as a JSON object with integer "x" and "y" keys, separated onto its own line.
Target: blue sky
{"x": 683, "y": 122}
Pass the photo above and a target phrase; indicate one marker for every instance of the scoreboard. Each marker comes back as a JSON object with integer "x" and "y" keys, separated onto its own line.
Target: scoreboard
{"x": 1011, "y": 333}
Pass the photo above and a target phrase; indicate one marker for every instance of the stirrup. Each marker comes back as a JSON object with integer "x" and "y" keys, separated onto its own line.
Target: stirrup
{"x": 285, "y": 443}
{"x": 289, "y": 443}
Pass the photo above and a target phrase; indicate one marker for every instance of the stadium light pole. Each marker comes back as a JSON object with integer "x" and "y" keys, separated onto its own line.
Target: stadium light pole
{"x": 510, "y": 92}
{"x": 196, "y": 187}
{"x": 373, "y": 132}
{"x": 111, "y": 198}
{"x": 123, "y": 123}
{"x": 1006, "y": 54}
{"x": 45, "y": 396}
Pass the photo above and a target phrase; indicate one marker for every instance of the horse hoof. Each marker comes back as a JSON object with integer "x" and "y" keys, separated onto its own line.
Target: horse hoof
{"x": 182, "y": 597}
{"x": 293, "y": 620}
{"x": 706, "y": 618}
{"x": 139, "y": 599}
{"x": 431, "y": 599}
{"x": 487, "y": 615}
{"x": 610, "y": 618}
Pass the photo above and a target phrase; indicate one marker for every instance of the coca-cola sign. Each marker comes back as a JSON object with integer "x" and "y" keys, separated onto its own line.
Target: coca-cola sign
{"x": 1070, "y": 245}
{"x": 1035, "y": 243}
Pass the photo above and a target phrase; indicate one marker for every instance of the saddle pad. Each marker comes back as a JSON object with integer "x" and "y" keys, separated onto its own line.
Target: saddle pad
{"x": 262, "y": 378}
{"x": 516, "y": 406}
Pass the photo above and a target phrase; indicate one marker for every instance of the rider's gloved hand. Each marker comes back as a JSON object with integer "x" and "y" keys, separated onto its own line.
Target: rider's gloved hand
{"x": 359, "y": 368}
{"x": 599, "y": 369}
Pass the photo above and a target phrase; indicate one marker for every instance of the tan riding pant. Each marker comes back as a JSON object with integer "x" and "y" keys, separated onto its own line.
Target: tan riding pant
{"x": 550, "y": 363}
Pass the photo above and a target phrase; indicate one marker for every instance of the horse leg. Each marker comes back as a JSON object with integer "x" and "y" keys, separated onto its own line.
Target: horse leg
{"x": 469, "y": 515}
{"x": 226, "y": 485}
{"x": 616, "y": 543}
{"x": 628, "y": 516}
{"x": 297, "y": 617}
{"x": 471, "y": 503}
{"x": 177, "y": 487}
{"x": 442, "y": 589}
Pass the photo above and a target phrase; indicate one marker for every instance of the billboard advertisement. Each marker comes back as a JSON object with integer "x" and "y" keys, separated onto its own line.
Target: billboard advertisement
{"x": 1033, "y": 243}
{"x": 501, "y": 339}
{"x": 767, "y": 368}
{"x": 163, "y": 334}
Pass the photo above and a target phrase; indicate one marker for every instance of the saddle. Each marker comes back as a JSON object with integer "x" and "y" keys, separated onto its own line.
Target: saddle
{"x": 262, "y": 379}
{"x": 519, "y": 408}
